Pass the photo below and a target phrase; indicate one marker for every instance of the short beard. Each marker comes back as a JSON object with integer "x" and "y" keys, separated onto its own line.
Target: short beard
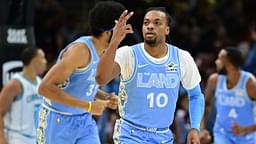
{"x": 151, "y": 42}
{"x": 222, "y": 71}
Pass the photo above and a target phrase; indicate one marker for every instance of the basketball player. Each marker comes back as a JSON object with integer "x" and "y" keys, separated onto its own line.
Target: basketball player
{"x": 235, "y": 92}
{"x": 19, "y": 100}
{"x": 150, "y": 77}
{"x": 69, "y": 87}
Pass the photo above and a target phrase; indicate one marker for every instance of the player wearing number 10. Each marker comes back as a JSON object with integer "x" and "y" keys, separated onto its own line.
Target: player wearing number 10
{"x": 235, "y": 92}
{"x": 150, "y": 78}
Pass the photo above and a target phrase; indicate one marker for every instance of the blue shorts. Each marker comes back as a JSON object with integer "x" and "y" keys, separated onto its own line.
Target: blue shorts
{"x": 55, "y": 128}
{"x": 223, "y": 137}
{"x": 127, "y": 133}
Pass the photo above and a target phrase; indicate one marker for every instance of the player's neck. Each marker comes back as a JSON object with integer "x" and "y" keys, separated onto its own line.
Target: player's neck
{"x": 29, "y": 73}
{"x": 100, "y": 44}
{"x": 233, "y": 76}
{"x": 156, "y": 51}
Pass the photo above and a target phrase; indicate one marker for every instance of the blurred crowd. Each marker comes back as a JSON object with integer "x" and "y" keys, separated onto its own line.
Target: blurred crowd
{"x": 202, "y": 27}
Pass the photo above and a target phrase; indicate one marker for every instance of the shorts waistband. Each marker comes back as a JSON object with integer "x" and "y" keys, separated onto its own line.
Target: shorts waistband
{"x": 56, "y": 111}
{"x": 155, "y": 130}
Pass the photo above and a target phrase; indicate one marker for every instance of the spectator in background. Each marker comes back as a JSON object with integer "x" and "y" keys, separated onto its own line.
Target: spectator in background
{"x": 49, "y": 19}
{"x": 19, "y": 100}
{"x": 250, "y": 64}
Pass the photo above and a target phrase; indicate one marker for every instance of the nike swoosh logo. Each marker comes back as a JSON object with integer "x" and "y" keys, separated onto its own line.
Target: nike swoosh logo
{"x": 142, "y": 65}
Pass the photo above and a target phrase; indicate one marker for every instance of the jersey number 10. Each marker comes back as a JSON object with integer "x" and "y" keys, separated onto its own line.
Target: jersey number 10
{"x": 160, "y": 100}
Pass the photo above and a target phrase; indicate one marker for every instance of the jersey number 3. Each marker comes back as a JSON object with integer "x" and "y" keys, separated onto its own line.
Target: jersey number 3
{"x": 160, "y": 100}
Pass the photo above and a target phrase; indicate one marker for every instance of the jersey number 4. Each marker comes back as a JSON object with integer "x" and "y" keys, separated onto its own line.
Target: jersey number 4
{"x": 232, "y": 113}
{"x": 159, "y": 100}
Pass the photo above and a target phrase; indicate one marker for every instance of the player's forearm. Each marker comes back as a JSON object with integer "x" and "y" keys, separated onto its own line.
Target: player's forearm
{"x": 250, "y": 129}
{"x": 205, "y": 117}
{"x": 196, "y": 107}
{"x": 106, "y": 65}
{"x": 53, "y": 93}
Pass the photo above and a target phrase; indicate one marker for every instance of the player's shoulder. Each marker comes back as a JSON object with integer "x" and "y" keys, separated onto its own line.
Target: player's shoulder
{"x": 213, "y": 78}
{"x": 76, "y": 49}
{"x": 182, "y": 52}
{"x": 184, "y": 55}
{"x": 78, "y": 46}
{"x": 251, "y": 78}
{"x": 125, "y": 49}
{"x": 14, "y": 84}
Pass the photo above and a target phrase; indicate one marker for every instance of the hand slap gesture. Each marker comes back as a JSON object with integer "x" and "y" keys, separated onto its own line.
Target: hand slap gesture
{"x": 112, "y": 101}
{"x": 121, "y": 28}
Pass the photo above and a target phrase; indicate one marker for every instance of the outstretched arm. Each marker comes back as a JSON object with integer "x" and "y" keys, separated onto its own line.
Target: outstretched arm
{"x": 107, "y": 69}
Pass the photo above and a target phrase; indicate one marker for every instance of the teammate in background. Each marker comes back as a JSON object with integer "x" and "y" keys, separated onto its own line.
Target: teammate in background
{"x": 151, "y": 73}
{"x": 235, "y": 92}
{"x": 19, "y": 100}
{"x": 69, "y": 87}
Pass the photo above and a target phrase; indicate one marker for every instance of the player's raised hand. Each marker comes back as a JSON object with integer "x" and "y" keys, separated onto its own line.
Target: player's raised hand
{"x": 98, "y": 106}
{"x": 113, "y": 101}
{"x": 193, "y": 137}
{"x": 122, "y": 28}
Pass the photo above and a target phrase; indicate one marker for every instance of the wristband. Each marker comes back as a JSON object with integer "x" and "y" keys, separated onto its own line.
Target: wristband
{"x": 89, "y": 106}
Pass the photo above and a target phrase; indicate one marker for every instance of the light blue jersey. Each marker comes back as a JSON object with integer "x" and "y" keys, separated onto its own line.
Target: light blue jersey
{"x": 19, "y": 121}
{"x": 60, "y": 124}
{"x": 155, "y": 93}
{"x": 81, "y": 83}
{"x": 233, "y": 106}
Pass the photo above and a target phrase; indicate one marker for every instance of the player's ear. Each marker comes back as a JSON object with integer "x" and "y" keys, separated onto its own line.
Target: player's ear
{"x": 109, "y": 35}
{"x": 106, "y": 33}
{"x": 167, "y": 31}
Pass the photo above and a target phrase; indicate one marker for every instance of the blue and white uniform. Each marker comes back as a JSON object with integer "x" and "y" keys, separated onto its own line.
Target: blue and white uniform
{"x": 149, "y": 92}
{"x": 233, "y": 106}
{"x": 61, "y": 124}
{"x": 19, "y": 121}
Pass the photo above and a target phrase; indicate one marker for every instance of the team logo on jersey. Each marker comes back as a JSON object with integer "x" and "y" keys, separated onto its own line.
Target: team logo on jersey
{"x": 172, "y": 67}
{"x": 231, "y": 101}
{"x": 239, "y": 93}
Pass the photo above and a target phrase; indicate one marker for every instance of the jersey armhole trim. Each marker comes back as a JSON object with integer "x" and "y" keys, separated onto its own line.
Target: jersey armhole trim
{"x": 18, "y": 97}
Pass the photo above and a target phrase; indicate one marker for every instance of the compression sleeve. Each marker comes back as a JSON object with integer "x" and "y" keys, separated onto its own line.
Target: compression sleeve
{"x": 196, "y": 106}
